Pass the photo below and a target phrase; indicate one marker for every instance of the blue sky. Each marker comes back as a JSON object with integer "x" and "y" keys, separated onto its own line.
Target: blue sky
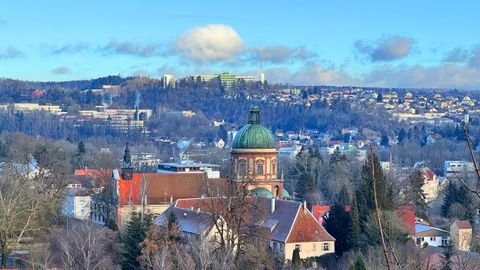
{"x": 368, "y": 43}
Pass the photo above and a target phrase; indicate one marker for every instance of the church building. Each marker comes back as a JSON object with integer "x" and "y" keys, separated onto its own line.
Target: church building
{"x": 255, "y": 159}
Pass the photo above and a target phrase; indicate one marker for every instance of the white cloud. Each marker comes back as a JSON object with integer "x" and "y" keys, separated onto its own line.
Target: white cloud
{"x": 210, "y": 43}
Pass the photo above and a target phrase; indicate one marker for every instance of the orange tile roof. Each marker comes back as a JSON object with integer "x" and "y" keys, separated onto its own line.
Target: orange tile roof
{"x": 161, "y": 187}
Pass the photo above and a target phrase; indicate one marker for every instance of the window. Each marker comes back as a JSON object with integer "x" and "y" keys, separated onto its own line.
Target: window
{"x": 432, "y": 238}
{"x": 444, "y": 241}
{"x": 274, "y": 169}
{"x": 274, "y": 246}
{"x": 281, "y": 247}
{"x": 314, "y": 247}
{"x": 242, "y": 168}
{"x": 325, "y": 246}
{"x": 298, "y": 247}
{"x": 259, "y": 168}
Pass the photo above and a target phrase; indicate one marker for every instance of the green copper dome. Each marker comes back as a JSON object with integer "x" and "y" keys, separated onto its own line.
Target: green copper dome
{"x": 261, "y": 192}
{"x": 254, "y": 135}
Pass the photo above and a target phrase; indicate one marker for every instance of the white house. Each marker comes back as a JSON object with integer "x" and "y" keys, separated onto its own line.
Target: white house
{"x": 77, "y": 203}
{"x": 431, "y": 236}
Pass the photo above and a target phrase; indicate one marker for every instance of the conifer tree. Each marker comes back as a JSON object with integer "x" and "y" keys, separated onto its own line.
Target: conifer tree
{"x": 354, "y": 230}
{"x": 133, "y": 235}
{"x": 338, "y": 225}
{"x": 416, "y": 194}
{"x": 344, "y": 196}
{"x": 364, "y": 192}
{"x": 296, "y": 261}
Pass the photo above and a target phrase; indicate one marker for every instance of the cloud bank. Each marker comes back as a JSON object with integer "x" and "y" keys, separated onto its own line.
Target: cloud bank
{"x": 387, "y": 48}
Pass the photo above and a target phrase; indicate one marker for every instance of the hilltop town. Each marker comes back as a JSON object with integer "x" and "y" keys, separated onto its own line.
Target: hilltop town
{"x": 282, "y": 179}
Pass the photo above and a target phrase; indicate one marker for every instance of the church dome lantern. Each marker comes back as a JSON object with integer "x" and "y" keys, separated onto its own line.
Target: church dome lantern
{"x": 253, "y": 135}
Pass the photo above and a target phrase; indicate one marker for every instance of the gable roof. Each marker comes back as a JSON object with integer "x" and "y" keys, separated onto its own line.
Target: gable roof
{"x": 289, "y": 222}
{"x": 163, "y": 187}
{"x": 463, "y": 224}
{"x": 189, "y": 221}
{"x": 425, "y": 230}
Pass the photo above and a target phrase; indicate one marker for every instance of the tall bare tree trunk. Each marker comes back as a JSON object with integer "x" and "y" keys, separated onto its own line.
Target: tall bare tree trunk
{"x": 377, "y": 212}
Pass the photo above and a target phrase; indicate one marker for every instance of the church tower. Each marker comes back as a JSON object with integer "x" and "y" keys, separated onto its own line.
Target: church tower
{"x": 255, "y": 159}
{"x": 127, "y": 167}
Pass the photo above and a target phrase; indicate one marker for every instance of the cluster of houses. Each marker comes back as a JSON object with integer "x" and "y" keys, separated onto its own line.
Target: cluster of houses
{"x": 200, "y": 198}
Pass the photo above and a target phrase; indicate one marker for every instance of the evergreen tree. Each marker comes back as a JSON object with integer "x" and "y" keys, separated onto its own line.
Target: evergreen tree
{"x": 458, "y": 202}
{"x": 222, "y": 133}
{"x": 305, "y": 184}
{"x": 401, "y": 135}
{"x": 354, "y": 230}
{"x": 416, "y": 194}
{"x": 344, "y": 196}
{"x": 358, "y": 265}
{"x": 450, "y": 198}
{"x": 338, "y": 225}
{"x": 364, "y": 192}
{"x": 81, "y": 150}
{"x": 448, "y": 253}
{"x": 384, "y": 141}
{"x": 296, "y": 261}
{"x": 131, "y": 238}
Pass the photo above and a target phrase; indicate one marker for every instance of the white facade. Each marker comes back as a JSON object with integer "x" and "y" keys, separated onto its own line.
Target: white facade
{"x": 461, "y": 168}
{"x": 428, "y": 235}
{"x": 168, "y": 81}
{"x": 77, "y": 206}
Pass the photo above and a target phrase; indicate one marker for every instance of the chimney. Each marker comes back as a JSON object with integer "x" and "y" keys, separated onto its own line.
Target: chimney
{"x": 272, "y": 208}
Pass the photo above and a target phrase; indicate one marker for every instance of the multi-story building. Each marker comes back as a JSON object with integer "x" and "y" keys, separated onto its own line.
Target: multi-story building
{"x": 168, "y": 81}
{"x": 280, "y": 225}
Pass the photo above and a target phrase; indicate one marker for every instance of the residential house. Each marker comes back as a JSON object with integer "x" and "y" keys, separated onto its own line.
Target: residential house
{"x": 281, "y": 225}
{"x": 461, "y": 234}
{"x": 430, "y": 236}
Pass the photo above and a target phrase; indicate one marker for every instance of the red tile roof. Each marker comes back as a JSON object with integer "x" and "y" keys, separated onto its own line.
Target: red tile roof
{"x": 320, "y": 210}
{"x": 162, "y": 187}
{"x": 99, "y": 175}
{"x": 307, "y": 229}
{"x": 406, "y": 214}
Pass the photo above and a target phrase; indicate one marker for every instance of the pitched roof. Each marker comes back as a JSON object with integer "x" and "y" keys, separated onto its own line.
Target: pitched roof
{"x": 189, "y": 221}
{"x": 406, "y": 214}
{"x": 425, "y": 230}
{"x": 288, "y": 222}
{"x": 162, "y": 187}
{"x": 463, "y": 224}
{"x": 98, "y": 175}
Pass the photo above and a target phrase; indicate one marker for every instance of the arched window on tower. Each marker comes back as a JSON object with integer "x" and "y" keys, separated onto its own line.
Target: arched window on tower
{"x": 274, "y": 167}
{"x": 275, "y": 191}
{"x": 259, "y": 168}
{"x": 242, "y": 168}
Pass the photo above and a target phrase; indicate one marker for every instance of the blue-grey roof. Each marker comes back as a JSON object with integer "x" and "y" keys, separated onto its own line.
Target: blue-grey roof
{"x": 422, "y": 228}
{"x": 189, "y": 221}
